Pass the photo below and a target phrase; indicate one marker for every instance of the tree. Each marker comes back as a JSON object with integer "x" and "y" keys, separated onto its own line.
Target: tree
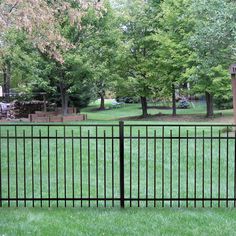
{"x": 213, "y": 42}
{"x": 66, "y": 80}
{"x": 46, "y": 24}
{"x": 173, "y": 50}
{"x": 138, "y": 64}
{"x": 100, "y": 44}
{"x": 42, "y": 19}
{"x": 18, "y": 61}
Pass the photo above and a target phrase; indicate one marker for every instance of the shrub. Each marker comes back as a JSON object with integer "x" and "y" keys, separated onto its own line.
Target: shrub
{"x": 184, "y": 104}
{"x": 227, "y": 129}
{"x": 223, "y": 103}
{"x": 127, "y": 99}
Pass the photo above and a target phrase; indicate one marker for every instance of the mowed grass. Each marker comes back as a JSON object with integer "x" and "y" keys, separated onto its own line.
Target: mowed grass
{"x": 114, "y": 221}
{"x": 83, "y": 162}
{"x": 134, "y": 110}
{"x": 132, "y": 221}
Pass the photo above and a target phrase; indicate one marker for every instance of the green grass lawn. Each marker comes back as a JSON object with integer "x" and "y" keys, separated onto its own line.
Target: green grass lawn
{"x": 133, "y": 110}
{"x": 114, "y": 221}
{"x": 117, "y": 222}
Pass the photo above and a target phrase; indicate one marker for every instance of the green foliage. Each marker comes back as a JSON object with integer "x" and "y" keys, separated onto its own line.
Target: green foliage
{"x": 133, "y": 48}
{"x": 73, "y": 76}
{"x": 223, "y": 103}
{"x": 21, "y": 56}
{"x": 137, "y": 62}
{"x": 212, "y": 42}
{"x": 100, "y": 45}
{"x": 173, "y": 50}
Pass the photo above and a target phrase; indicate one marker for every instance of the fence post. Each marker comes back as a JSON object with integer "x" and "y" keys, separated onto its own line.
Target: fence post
{"x": 122, "y": 176}
{"x": 234, "y": 166}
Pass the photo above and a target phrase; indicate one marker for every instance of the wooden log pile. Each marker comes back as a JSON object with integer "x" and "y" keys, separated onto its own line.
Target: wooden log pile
{"x": 23, "y": 109}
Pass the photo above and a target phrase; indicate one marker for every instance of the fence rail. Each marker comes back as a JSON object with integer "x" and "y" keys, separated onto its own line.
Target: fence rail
{"x": 117, "y": 165}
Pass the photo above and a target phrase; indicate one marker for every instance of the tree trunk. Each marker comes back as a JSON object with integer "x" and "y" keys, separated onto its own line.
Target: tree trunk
{"x": 209, "y": 103}
{"x": 6, "y": 81}
{"x": 64, "y": 100}
{"x": 144, "y": 106}
{"x": 173, "y": 101}
{"x": 44, "y": 103}
{"x": 102, "y": 104}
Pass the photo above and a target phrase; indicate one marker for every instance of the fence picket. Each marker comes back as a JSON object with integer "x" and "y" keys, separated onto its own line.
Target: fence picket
{"x": 118, "y": 164}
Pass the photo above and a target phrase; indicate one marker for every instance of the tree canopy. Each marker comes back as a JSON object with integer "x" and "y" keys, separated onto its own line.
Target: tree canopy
{"x": 77, "y": 49}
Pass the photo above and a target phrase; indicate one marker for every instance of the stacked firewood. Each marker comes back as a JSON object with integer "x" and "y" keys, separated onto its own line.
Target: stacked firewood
{"x": 23, "y": 109}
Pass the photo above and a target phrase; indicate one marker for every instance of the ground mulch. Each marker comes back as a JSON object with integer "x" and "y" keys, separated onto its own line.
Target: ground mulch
{"x": 183, "y": 118}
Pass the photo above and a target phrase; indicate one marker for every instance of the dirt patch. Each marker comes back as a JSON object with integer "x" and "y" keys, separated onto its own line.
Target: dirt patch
{"x": 98, "y": 109}
{"x": 184, "y": 118}
{"x": 159, "y": 107}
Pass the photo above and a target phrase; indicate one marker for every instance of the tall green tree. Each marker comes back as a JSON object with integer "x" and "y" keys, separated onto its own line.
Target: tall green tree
{"x": 100, "y": 44}
{"x": 139, "y": 63}
{"x": 18, "y": 61}
{"x": 173, "y": 53}
{"x": 213, "y": 42}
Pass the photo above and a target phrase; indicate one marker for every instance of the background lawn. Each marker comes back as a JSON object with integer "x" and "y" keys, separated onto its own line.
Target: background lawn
{"x": 132, "y": 111}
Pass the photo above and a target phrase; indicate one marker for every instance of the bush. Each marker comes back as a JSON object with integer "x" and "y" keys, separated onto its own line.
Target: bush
{"x": 81, "y": 100}
{"x": 184, "y": 104}
{"x": 227, "y": 129}
{"x": 223, "y": 103}
{"x": 127, "y": 99}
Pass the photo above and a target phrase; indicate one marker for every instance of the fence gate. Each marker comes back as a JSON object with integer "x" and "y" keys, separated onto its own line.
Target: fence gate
{"x": 121, "y": 164}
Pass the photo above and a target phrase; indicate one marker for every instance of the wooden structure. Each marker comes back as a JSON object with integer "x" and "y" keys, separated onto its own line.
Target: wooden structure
{"x": 233, "y": 77}
{"x": 56, "y": 116}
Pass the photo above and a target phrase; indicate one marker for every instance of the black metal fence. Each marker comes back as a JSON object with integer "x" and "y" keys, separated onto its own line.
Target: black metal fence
{"x": 117, "y": 165}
